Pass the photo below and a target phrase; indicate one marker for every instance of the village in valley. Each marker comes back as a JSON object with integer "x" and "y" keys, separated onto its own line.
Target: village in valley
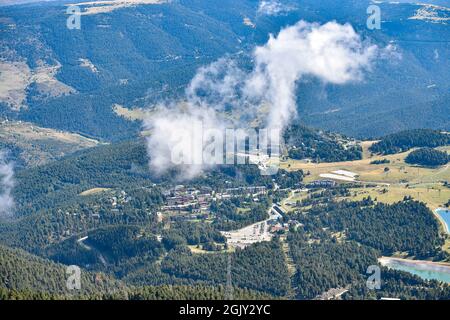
{"x": 355, "y": 180}
{"x": 189, "y": 204}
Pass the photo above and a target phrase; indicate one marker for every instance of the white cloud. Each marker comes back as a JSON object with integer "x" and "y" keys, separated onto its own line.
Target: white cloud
{"x": 391, "y": 53}
{"x": 179, "y": 137}
{"x": 273, "y": 8}
{"x": 216, "y": 85}
{"x": 6, "y": 185}
{"x": 332, "y": 52}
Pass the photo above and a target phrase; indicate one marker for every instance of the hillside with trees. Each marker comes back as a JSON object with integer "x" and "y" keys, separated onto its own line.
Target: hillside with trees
{"x": 123, "y": 165}
{"x": 414, "y": 225}
{"x": 428, "y": 157}
{"x": 337, "y": 241}
{"x": 307, "y": 143}
{"x": 405, "y": 140}
{"x": 20, "y": 270}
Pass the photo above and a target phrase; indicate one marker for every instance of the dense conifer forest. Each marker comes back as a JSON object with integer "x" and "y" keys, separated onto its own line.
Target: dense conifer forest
{"x": 405, "y": 140}
{"x": 428, "y": 157}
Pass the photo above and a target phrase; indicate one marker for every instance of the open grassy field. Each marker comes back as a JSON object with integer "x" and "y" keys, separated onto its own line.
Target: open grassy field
{"x": 40, "y": 145}
{"x": 131, "y": 114}
{"x": 243, "y": 210}
{"x": 399, "y": 172}
{"x": 288, "y": 204}
{"x": 196, "y": 249}
{"x": 400, "y": 180}
{"x": 446, "y": 246}
{"x": 93, "y": 191}
{"x": 388, "y": 183}
{"x": 434, "y": 197}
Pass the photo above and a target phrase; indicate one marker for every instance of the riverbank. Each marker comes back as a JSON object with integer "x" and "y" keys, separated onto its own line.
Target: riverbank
{"x": 445, "y": 220}
{"x": 428, "y": 270}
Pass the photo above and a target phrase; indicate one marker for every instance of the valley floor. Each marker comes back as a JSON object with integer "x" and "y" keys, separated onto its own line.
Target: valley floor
{"x": 389, "y": 183}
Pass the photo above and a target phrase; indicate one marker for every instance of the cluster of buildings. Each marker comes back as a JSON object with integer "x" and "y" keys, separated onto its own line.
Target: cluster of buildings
{"x": 181, "y": 198}
{"x": 120, "y": 198}
{"x": 324, "y": 183}
{"x": 275, "y": 225}
{"x": 198, "y": 200}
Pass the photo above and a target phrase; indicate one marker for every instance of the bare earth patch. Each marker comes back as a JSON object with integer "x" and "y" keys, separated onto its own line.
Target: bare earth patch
{"x": 41, "y": 145}
{"x": 432, "y": 13}
{"x": 131, "y": 114}
{"x": 336, "y": 177}
{"x": 15, "y": 77}
{"x": 45, "y": 78}
{"x": 96, "y": 7}
{"x": 14, "y": 80}
{"x": 93, "y": 191}
{"x": 86, "y": 63}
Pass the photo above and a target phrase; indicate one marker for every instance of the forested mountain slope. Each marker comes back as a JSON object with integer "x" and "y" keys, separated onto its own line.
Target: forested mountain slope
{"x": 138, "y": 56}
